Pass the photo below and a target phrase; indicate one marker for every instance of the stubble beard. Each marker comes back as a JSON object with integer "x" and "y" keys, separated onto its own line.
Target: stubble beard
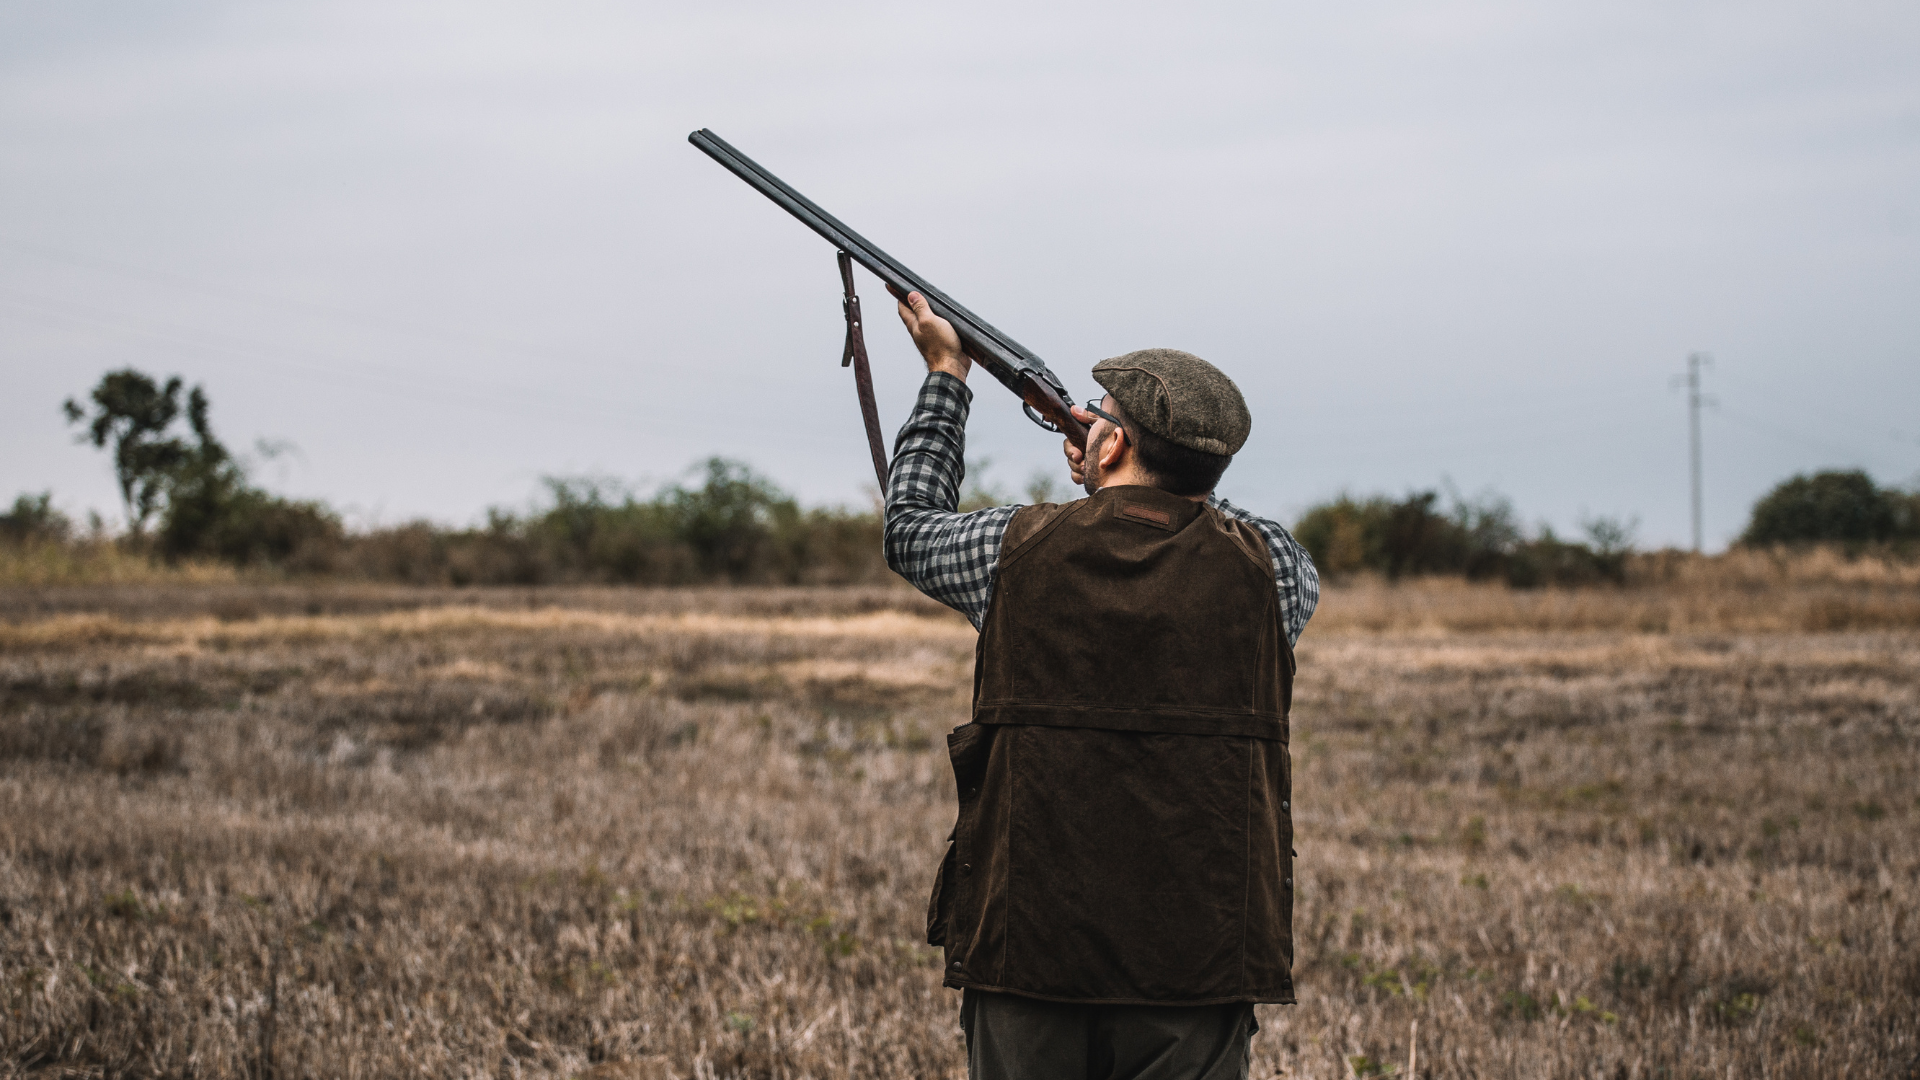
{"x": 1090, "y": 472}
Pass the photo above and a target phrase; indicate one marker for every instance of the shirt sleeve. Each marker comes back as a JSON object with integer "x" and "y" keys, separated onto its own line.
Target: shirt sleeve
{"x": 1293, "y": 572}
{"x": 950, "y": 556}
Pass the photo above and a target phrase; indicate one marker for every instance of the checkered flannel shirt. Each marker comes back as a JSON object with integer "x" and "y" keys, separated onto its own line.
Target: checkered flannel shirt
{"x": 953, "y": 557}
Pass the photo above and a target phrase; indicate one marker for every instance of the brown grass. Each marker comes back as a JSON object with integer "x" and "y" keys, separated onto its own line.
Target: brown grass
{"x": 334, "y": 832}
{"x": 1448, "y": 605}
{"x": 98, "y": 562}
{"x": 1740, "y": 591}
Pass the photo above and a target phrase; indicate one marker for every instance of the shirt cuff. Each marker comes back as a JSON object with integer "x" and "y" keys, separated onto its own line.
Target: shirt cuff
{"x": 945, "y": 393}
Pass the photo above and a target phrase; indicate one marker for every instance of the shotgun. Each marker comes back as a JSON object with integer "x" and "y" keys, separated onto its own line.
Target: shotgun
{"x": 1046, "y": 401}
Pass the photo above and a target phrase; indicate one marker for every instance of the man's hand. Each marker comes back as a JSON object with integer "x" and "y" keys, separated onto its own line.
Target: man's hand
{"x": 1076, "y": 457}
{"x": 939, "y": 346}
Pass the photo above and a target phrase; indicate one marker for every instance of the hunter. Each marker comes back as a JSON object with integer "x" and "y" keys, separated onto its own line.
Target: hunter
{"x": 1117, "y": 893}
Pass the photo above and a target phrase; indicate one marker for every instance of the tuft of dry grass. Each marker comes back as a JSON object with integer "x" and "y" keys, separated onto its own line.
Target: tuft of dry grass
{"x": 299, "y": 831}
{"x": 240, "y": 602}
{"x": 1772, "y": 568}
{"x": 99, "y": 562}
{"x": 1685, "y": 605}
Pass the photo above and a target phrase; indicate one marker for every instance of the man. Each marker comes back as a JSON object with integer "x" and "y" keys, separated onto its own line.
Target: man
{"x": 1118, "y": 889}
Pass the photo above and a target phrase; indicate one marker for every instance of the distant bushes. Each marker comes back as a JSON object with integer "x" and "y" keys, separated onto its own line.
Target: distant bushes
{"x": 216, "y": 515}
{"x": 1481, "y": 540}
{"x": 33, "y": 520}
{"x": 1834, "y": 507}
{"x": 734, "y": 527}
{"x": 189, "y": 501}
{"x": 192, "y": 510}
{"x": 731, "y": 526}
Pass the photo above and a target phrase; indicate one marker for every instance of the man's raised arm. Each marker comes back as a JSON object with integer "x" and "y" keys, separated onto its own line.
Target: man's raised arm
{"x": 948, "y": 555}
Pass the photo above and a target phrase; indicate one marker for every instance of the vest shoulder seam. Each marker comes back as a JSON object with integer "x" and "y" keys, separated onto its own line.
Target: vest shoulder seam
{"x": 1027, "y": 543}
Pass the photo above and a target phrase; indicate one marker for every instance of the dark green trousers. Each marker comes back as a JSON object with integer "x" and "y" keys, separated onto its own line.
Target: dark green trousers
{"x": 1015, "y": 1038}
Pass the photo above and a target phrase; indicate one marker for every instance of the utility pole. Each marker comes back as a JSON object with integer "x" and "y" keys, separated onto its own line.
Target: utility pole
{"x": 1695, "y": 361}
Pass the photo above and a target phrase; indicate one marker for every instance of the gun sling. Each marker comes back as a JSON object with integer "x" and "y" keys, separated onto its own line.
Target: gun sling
{"x": 855, "y": 353}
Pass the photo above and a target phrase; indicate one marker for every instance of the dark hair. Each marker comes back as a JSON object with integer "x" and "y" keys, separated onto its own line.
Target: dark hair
{"x": 1175, "y": 469}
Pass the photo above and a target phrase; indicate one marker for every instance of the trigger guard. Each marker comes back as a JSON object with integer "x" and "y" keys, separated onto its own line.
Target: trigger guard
{"x": 1044, "y": 423}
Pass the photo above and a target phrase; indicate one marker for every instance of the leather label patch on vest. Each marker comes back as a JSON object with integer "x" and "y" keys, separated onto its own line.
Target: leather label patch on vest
{"x": 1147, "y": 515}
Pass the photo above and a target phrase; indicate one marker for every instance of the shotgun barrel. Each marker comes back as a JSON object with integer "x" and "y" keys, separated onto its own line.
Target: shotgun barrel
{"x": 1045, "y": 399}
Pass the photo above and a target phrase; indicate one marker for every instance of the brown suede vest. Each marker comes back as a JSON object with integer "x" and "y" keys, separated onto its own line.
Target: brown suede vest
{"x": 1124, "y": 833}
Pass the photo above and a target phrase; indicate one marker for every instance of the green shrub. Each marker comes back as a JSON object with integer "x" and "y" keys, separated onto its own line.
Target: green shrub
{"x": 1345, "y": 535}
{"x": 213, "y": 513}
{"x": 735, "y": 526}
{"x": 1834, "y": 507}
{"x": 33, "y": 520}
{"x": 1480, "y": 539}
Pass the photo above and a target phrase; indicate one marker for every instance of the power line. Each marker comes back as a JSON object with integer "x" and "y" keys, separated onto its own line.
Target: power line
{"x": 1780, "y": 431}
{"x": 367, "y": 320}
{"x": 502, "y": 400}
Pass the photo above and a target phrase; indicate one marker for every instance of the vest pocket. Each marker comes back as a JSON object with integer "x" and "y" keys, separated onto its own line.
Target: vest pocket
{"x": 940, "y": 904}
{"x": 968, "y": 748}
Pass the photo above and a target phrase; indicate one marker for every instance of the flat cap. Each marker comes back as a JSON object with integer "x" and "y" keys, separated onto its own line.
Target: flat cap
{"x": 1179, "y": 397}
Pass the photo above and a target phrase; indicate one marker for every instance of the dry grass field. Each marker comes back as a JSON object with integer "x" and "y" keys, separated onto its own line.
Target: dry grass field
{"x": 274, "y": 830}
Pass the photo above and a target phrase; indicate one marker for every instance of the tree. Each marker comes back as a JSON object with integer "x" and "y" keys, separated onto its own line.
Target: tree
{"x": 134, "y": 414}
{"x": 1832, "y": 506}
{"x": 207, "y": 506}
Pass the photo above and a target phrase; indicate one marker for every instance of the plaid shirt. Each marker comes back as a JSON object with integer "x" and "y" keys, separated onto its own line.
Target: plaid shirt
{"x": 953, "y": 557}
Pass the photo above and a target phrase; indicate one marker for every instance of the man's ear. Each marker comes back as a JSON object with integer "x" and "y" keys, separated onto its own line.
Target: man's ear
{"x": 1111, "y": 450}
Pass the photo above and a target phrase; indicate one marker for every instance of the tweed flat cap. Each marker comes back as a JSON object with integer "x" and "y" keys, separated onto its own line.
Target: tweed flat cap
{"x": 1179, "y": 397}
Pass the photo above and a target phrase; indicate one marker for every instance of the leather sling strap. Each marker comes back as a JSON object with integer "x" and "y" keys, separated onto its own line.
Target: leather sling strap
{"x": 855, "y": 353}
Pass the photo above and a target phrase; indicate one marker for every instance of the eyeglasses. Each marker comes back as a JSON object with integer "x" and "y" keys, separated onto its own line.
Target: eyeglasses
{"x": 1093, "y": 406}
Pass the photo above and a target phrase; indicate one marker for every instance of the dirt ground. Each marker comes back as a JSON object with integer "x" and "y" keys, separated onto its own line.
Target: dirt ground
{"x": 284, "y": 831}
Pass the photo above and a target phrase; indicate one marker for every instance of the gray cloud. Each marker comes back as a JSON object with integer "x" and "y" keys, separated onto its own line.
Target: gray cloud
{"x": 448, "y": 248}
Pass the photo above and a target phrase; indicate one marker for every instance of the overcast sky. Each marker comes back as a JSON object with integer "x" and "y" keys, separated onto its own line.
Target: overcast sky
{"x": 447, "y": 249}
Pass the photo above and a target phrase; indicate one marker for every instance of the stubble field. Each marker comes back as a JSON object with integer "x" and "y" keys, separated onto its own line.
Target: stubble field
{"x": 280, "y": 831}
